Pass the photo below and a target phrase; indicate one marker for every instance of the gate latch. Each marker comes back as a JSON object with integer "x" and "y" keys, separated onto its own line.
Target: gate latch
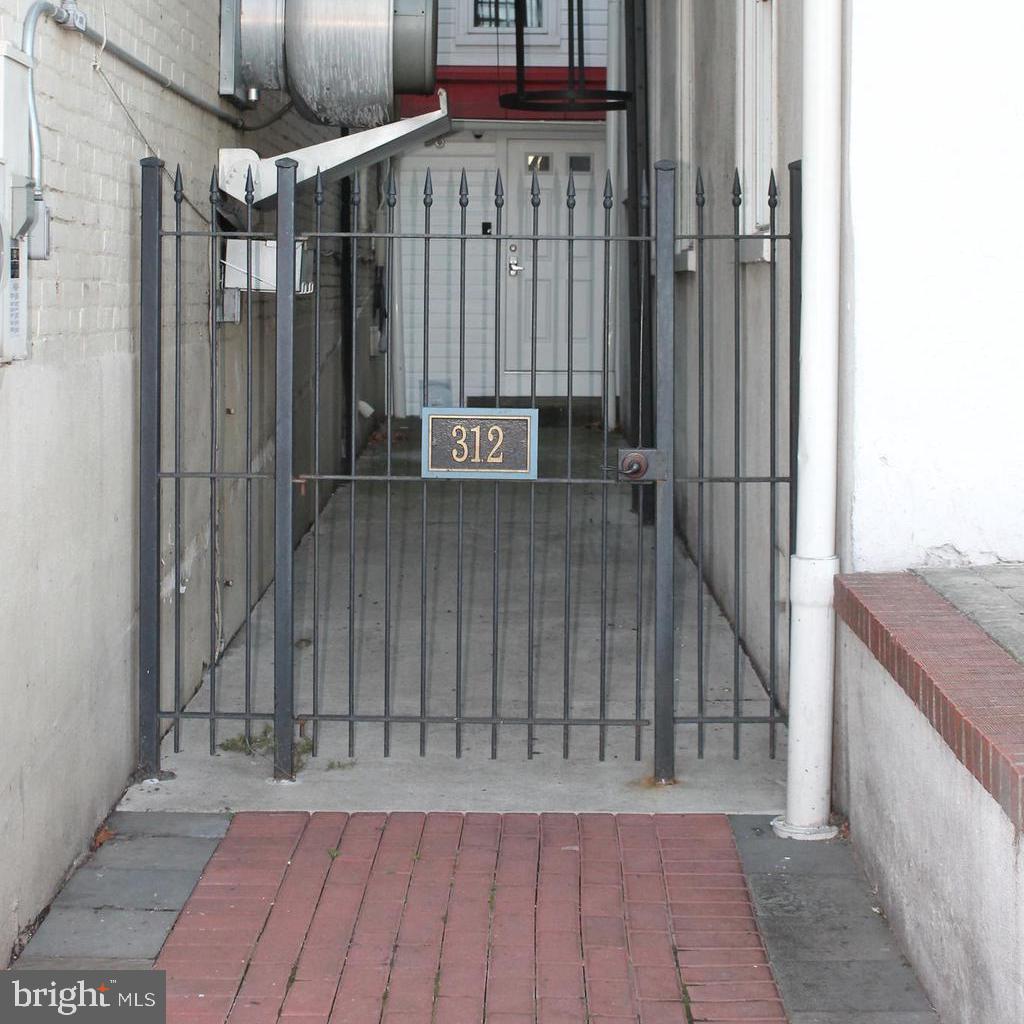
{"x": 639, "y": 465}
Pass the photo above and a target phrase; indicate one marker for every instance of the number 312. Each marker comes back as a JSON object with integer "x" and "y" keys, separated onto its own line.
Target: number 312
{"x": 461, "y": 451}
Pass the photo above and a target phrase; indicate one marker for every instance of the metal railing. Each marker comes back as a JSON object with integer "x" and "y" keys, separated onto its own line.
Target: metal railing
{"x": 532, "y": 697}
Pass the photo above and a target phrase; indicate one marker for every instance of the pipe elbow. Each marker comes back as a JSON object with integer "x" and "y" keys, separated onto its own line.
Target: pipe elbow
{"x": 812, "y": 581}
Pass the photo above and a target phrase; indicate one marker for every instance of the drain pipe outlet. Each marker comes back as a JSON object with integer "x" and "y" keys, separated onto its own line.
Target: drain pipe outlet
{"x": 815, "y": 563}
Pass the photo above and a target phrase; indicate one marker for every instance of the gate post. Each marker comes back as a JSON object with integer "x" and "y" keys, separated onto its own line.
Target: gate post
{"x": 149, "y": 469}
{"x": 664, "y": 502}
{"x": 284, "y": 593}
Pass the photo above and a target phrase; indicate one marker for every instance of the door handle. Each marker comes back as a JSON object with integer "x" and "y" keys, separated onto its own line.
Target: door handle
{"x": 514, "y": 267}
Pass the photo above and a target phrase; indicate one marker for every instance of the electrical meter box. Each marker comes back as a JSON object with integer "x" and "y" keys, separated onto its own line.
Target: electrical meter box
{"x": 15, "y": 203}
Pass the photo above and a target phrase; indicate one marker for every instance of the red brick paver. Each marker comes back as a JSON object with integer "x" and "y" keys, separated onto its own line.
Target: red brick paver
{"x": 463, "y": 919}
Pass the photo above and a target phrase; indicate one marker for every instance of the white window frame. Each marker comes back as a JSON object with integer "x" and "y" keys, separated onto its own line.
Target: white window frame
{"x": 756, "y": 107}
{"x": 468, "y": 34}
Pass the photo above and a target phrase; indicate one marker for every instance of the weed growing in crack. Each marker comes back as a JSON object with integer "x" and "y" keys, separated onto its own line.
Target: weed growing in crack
{"x": 263, "y": 744}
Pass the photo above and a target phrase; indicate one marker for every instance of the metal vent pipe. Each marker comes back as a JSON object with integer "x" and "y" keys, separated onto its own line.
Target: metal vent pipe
{"x": 341, "y": 61}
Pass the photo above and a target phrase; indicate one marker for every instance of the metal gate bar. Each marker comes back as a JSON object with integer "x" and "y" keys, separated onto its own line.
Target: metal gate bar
{"x": 284, "y": 476}
{"x": 150, "y": 326}
{"x": 664, "y": 491}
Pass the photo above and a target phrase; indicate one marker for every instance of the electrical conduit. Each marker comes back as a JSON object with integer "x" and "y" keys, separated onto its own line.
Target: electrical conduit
{"x": 70, "y": 17}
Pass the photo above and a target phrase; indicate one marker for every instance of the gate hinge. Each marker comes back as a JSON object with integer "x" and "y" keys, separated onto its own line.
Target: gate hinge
{"x": 638, "y": 465}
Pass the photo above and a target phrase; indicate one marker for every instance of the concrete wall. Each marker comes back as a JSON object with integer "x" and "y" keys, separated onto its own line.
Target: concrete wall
{"x": 945, "y": 857}
{"x": 713, "y": 29}
{"x": 932, "y": 354}
{"x": 68, "y": 435}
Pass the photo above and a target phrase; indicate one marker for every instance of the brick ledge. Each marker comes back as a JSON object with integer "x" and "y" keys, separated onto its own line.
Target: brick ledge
{"x": 963, "y": 682}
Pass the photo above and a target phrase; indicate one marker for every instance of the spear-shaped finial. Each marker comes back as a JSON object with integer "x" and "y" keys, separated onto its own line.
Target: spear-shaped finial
{"x": 179, "y": 187}
{"x": 214, "y": 188}
{"x": 701, "y": 198}
{"x": 318, "y": 189}
{"x": 250, "y": 187}
{"x": 570, "y": 192}
{"x": 463, "y": 190}
{"x": 353, "y": 197}
{"x": 391, "y": 194}
{"x": 499, "y": 191}
{"x": 773, "y": 191}
{"x": 428, "y": 190}
{"x": 737, "y": 191}
{"x": 535, "y": 190}
{"x": 608, "y": 194}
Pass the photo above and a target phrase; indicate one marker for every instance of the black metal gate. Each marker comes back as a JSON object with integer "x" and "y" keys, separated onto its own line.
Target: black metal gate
{"x": 486, "y": 660}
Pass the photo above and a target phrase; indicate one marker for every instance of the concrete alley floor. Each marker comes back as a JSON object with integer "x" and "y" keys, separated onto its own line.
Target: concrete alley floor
{"x": 233, "y": 780}
{"x": 463, "y": 919}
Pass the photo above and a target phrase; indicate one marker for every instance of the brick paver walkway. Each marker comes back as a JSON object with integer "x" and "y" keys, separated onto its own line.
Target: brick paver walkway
{"x": 460, "y": 919}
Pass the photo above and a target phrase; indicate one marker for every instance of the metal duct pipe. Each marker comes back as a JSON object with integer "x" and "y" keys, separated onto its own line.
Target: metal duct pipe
{"x": 339, "y": 68}
{"x": 261, "y": 35}
{"x": 414, "y": 51}
{"x": 342, "y": 61}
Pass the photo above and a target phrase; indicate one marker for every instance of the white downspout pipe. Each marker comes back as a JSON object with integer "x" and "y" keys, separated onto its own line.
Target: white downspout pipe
{"x": 815, "y": 562}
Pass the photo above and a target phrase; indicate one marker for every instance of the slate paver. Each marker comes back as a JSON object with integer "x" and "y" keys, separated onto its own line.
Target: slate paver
{"x": 168, "y": 823}
{"x": 187, "y": 853}
{"x": 128, "y": 888}
{"x": 81, "y": 963}
{"x": 854, "y": 987}
{"x": 117, "y": 909}
{"x": 834, "y": 958}
{"x": 843, "y": 1017}
{"x": 112, "y": 934}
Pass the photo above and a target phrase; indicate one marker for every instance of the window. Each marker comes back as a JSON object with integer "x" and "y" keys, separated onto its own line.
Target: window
{"x": 755, "y": 114}
{"x": 501, "y": 13}
{"x": 539, "y": 162}
{"x": 579, "y": 163}
{"x": 482, "y": 23}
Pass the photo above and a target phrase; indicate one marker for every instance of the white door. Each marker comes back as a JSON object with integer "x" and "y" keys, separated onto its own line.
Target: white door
{"x": 541, "y": 288}
{"x": 451, "y": 314}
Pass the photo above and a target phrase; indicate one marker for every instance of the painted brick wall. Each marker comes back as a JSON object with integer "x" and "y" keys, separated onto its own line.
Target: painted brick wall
{"x": 68, "y": 432}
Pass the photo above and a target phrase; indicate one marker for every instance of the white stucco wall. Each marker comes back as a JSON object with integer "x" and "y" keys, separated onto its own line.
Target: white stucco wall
{"x": 933, "y": 360}
{"x": 945, "y": 857}
{"x": 68, "y": 435}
